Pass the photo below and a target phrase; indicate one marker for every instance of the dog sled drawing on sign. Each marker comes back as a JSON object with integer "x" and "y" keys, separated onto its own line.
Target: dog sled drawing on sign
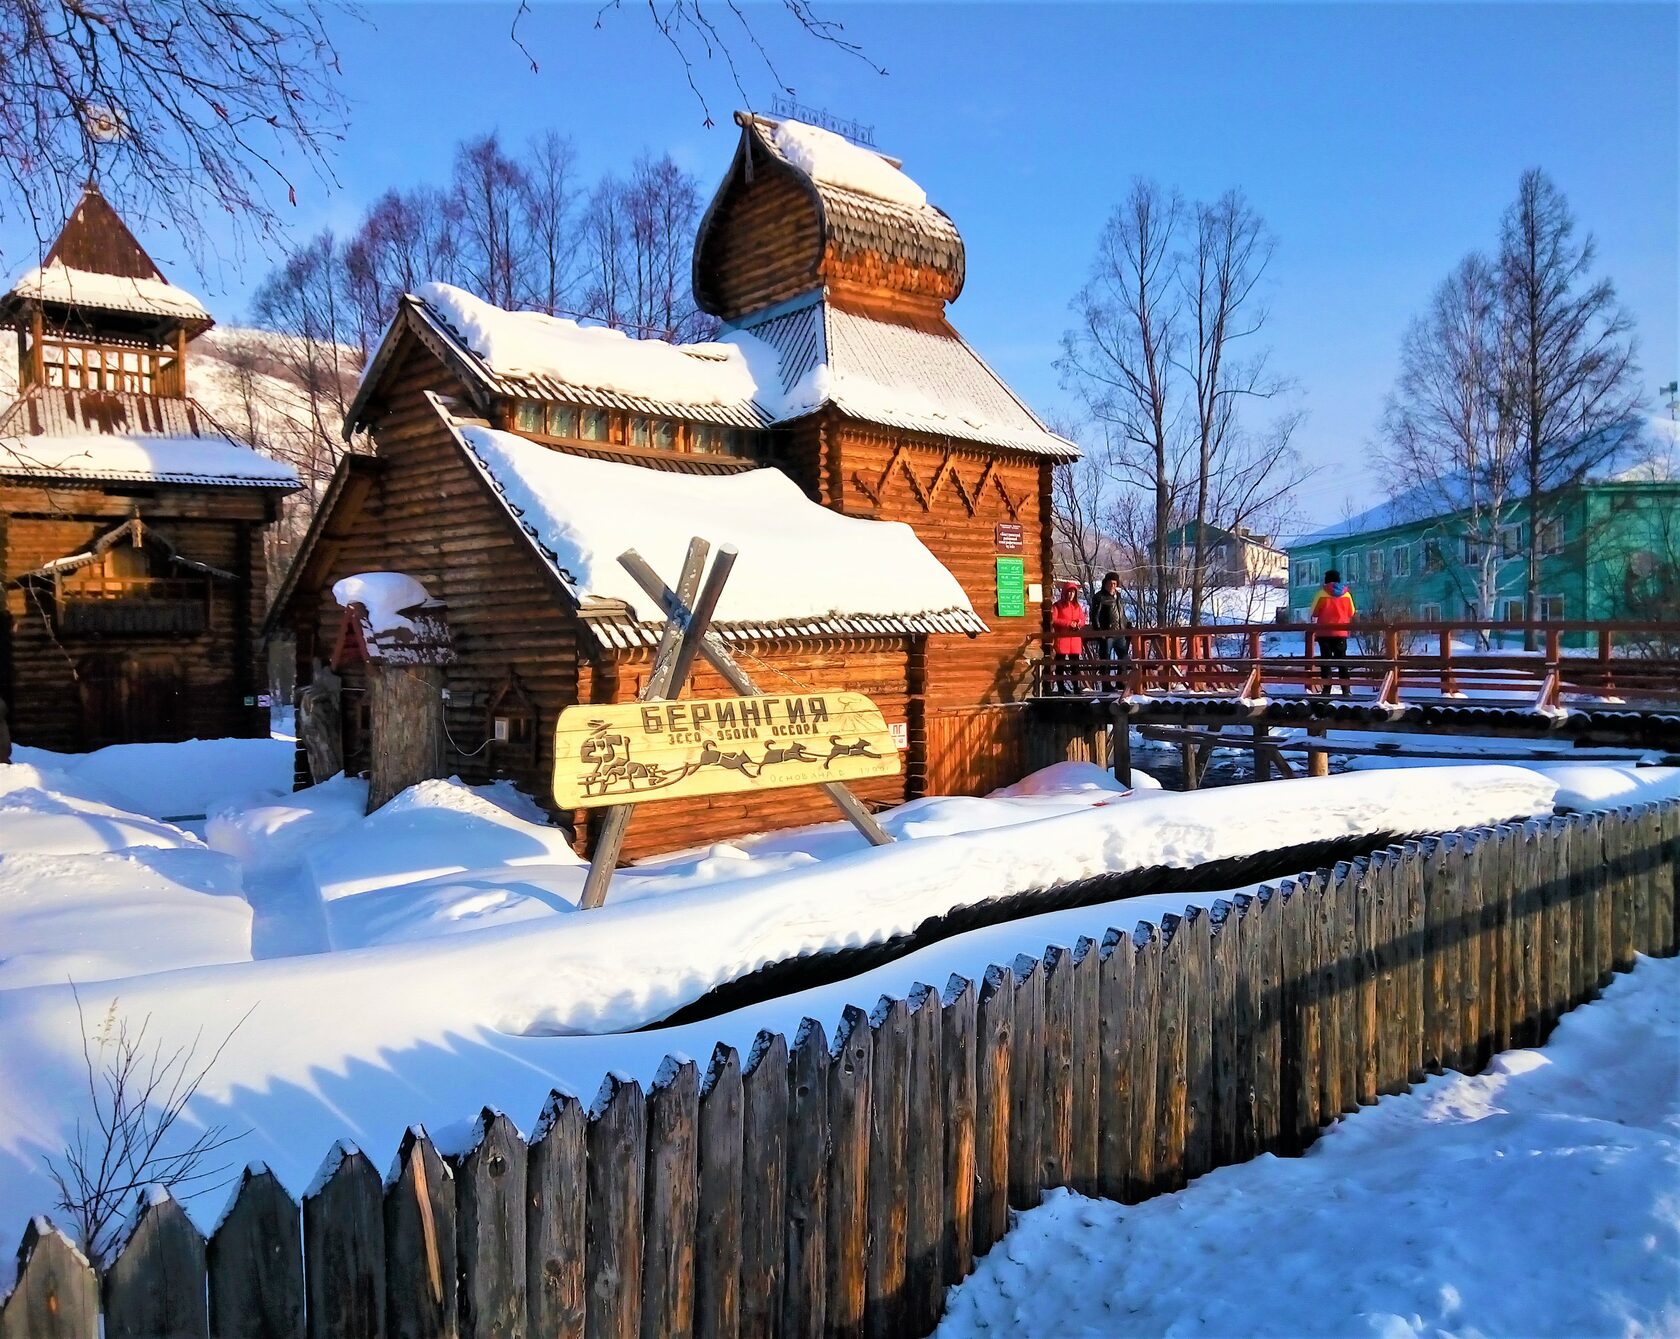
{"x": 614, "y": 769}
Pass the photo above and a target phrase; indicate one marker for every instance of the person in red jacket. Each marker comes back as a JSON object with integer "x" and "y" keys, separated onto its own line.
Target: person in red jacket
{"x": 1067, "y": 621}
{"x": 1332, "y": 613}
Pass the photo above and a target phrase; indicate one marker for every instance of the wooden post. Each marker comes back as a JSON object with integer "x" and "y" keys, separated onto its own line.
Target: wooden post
{"x": 255, "y": 1262}
{"x": 717, "y": 1229}
{"x": 57, "y": 1295}
{"x": 1027, "y": 1097}
{"x": 993, "y": 1088}
{"x": 848, "y": 1174}
{"x": 1122, "y": 747}
{"x": 556, "y": 1197}
{"x": 405, "y": 711}
{"x": 1262, "y": 762}
{"x": 617, "y": 1142}
{"x": 1057, "y": 1093}
{"x": 805, "y": 1286}
{"x": 1141, "y": 1061}
{"x": 924, "y": 1274}
{"x": 764, "y": 1124}
{"x": 718, "y": 657}
{"x": 678, "y": 628}
{"x": 1318, "y": 760}
{"x": 957, "y": 1057}
{"x": 1187, "y": 752}
{"x": 490, "y": 1230}
{"x": 671, "y": 1201}
{"x": 420, "y": 1251}
{"x": 1196, "y": 962}
{"x": 889, "y": 1200}
{"x": 1082, "y": 1161}
{"x": 1172, "y": 1097}
{"x": 1114, "y": 1073}
{"x": 344, "y": 1250}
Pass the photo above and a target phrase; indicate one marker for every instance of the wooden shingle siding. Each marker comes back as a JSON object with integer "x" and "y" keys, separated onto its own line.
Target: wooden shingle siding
{"x": 763, "y": 245}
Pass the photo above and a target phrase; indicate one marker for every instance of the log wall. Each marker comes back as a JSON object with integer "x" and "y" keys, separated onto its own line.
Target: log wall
{"x": 838, "y": 1187}
{"x": 210, "y": 673}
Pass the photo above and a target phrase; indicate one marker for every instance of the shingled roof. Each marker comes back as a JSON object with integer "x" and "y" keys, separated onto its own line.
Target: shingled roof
{"x": 891, "y": 237}
{"x": 97, "y": 264}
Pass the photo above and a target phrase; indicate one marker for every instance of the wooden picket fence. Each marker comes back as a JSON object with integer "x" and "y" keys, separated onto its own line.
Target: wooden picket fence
{"x": 837, "y": 1189}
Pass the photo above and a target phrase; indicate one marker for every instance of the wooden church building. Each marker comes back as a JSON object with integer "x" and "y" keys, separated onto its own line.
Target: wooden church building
{"x": 888, "y": 494}
{"x": 131, "y": 526}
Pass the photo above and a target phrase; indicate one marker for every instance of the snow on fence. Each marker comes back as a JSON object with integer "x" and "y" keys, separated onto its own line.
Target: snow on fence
{"x": 816, "y": 1189}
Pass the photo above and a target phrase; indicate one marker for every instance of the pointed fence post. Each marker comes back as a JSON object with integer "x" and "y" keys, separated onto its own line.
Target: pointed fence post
{"x": 57, "y": 1295}
{"x": 255, "y": 1262}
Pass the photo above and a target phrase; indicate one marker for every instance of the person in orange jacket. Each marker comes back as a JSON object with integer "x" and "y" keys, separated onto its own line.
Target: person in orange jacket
{"x": 1332, "y": 613}
{"x": 1067, "y": 621}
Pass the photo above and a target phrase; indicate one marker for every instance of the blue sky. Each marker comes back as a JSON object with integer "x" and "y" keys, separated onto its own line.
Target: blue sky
{"x": 1380, "y": 141}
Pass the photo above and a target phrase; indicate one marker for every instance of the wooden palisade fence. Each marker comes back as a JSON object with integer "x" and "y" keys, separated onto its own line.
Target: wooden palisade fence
{"x": 836, "y": 1186}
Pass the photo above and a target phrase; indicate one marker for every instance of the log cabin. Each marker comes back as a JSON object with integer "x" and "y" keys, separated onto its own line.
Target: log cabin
{"x": 888, "y": 494}
{"x": 131, "y": 525}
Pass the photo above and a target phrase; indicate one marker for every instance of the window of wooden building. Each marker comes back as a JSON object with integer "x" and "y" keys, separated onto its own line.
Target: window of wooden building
{"x": 641, "y": 431}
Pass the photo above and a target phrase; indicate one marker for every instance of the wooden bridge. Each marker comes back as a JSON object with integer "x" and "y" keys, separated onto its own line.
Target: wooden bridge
{"x": 1613, "y": 685}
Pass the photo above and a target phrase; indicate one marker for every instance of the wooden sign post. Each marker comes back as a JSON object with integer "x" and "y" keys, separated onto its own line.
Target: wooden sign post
{"x": 660, "y": 748}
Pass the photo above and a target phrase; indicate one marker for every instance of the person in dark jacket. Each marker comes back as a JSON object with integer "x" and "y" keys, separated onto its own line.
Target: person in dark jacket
{"x": 1109, "y": 615}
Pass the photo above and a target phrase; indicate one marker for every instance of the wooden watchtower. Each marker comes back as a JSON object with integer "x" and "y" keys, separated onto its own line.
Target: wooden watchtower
{"x": 131, "y": 525}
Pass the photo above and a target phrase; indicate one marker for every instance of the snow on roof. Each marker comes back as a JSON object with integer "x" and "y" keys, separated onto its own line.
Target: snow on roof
{"x": 818, "y": 354}
{"x": 824, "y": 156}
{"x": 110, "y": 292}
{"x": 531, "y": 344}
{"x": 798, "y": 560}
{"x": 383, "y": 595}
{"x": 139, "y": 459}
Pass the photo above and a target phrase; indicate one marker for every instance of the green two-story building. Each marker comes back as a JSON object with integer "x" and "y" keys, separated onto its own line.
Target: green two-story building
{"x": 1610, "y": 550}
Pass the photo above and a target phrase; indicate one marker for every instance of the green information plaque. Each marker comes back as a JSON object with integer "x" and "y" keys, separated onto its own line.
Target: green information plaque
{"x": 1012, "y": 587}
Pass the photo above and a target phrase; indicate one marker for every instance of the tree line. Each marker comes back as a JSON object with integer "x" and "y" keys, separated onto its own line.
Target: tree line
{"x": 521, "y": 229}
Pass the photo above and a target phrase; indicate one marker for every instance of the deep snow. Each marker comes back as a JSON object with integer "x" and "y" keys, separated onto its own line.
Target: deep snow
{"x": 417, "y": 964}
{"x": 1541, "y": 1197}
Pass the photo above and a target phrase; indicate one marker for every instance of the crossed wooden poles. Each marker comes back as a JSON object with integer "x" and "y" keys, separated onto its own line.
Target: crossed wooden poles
{"x": 687, "y": 635}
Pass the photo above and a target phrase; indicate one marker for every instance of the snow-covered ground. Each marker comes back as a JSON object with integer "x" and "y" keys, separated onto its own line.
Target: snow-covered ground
{"x": 1541, "y": 1197}
{"x": 416, "y": 964}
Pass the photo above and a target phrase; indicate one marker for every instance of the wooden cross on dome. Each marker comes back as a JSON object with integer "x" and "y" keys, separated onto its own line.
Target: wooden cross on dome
{"x": 688, "y": 635}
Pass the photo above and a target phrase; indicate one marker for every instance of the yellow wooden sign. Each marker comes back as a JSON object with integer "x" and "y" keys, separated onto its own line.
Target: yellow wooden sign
{"x": 638, "y": 751}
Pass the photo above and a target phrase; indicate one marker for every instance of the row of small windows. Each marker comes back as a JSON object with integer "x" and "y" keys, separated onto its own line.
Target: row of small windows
{"x": 638, "y": 430}
{"x": 1549, "y": 608}
{"x": 1398, "y": 561}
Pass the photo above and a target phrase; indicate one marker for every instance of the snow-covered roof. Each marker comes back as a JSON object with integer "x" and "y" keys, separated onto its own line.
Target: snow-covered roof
{"x": 813, "y": 353}
{"x": 213, "y": 461}
{"x": 394, "y": 619}
{"x": 826, "y": 157}
{"x": 532, "y": 345}
{"x": 60, "y": 283}
{"x": 801, "y": 565}
{"x": 788, "y": 362}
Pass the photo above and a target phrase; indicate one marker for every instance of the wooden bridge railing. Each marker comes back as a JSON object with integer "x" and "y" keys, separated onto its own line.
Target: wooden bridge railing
{"x": 817, "y": 1189}
{"x": 1391, "y": 661}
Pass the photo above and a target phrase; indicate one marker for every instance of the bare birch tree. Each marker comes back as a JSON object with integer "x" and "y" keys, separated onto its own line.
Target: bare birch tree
{"x": 1451, "y": 440}
{"x": 1574, "y": 396}
{"x": 406, "y": 239}
{"x": 1119, "y": 359}
{"x": 548, "y": 200}
{"x": 488, "y": 190}
{"x": 1164, "y": 361}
